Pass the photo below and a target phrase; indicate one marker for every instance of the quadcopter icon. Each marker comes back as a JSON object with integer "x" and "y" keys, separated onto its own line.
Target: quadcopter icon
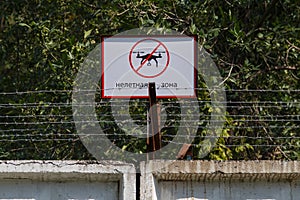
{"x": 149, "y": 56}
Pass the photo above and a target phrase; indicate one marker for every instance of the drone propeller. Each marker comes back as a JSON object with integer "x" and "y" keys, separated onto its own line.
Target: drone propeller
{"x": 138, "y": 52}
{"x": 160, "y": 52}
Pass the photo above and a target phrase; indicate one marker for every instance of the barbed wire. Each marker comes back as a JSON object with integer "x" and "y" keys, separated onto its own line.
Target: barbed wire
{"x": 37, "y": 120}
{"x": 100, "y": 90}
{"x": 122, "y": 101}
{"x": 127, "y": 120}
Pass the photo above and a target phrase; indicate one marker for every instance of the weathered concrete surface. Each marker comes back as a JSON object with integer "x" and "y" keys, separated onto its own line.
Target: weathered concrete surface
{"x": 41, "y": 190}
{"x": 215, "y": 180}
{"x": 66, "y": 180}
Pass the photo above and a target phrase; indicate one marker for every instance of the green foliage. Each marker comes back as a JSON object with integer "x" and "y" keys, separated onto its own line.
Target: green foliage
{"x": 255, "y": 44}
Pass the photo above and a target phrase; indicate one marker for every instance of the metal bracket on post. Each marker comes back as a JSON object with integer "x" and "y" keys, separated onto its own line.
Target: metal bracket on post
{"x": 154, "y": 140}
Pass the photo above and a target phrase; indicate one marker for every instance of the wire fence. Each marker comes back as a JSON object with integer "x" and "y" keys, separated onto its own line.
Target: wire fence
{"x": 267, "y": 122}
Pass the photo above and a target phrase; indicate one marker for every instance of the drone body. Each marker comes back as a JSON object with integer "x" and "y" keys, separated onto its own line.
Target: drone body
{"x": 148, "y": 57}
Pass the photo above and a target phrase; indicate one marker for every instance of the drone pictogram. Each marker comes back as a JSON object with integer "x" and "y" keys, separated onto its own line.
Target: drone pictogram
{"x": 148, "y": 57}
{"x": 149, "y": 52}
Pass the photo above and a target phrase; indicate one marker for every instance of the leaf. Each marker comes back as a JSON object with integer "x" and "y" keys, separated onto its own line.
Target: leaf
{"x": 25, "y": 25}
{"x": 87, "y": 33}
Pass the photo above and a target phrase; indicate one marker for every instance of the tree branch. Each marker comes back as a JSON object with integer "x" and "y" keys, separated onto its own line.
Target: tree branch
{"x": 284, "y": 68}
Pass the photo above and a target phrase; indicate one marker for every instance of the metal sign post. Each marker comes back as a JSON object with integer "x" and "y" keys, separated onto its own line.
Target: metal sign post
{"x": 154, "y": 141}
{"x": 165, "y": 65}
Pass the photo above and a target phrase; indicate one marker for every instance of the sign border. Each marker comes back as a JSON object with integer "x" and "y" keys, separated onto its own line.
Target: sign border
{"x": 195, "y": 37}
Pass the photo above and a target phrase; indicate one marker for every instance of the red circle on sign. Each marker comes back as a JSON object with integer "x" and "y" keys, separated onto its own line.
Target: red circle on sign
{"x": 149, "y": 56}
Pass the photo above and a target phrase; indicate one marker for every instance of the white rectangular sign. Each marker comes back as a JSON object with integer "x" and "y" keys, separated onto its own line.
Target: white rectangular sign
{"x": 129, "y": 63}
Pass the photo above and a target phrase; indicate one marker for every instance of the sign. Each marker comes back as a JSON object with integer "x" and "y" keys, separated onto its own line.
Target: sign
{"x": 129, "y": 63}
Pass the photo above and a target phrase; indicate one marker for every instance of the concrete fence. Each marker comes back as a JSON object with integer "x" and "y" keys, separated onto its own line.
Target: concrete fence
{"x": 177, "y": 180}
{"x": 211, "y": 180}
{"x": 66, "y": 180}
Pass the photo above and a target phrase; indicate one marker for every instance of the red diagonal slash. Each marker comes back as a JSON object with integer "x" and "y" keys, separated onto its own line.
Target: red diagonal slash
{"x": 148, "y": 57}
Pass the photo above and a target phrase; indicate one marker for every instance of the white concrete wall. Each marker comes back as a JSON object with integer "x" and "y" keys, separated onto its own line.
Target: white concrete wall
{"x": 35, "y": 190}
{"x": 66, "y": 180}
{"x": 229, "y": 190}
{"x": 209, "y": 180}
{"x": 178, "y": 180}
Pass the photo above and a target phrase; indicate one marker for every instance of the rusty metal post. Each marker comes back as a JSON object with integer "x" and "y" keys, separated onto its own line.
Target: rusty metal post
{"x": 154, "y": 140}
